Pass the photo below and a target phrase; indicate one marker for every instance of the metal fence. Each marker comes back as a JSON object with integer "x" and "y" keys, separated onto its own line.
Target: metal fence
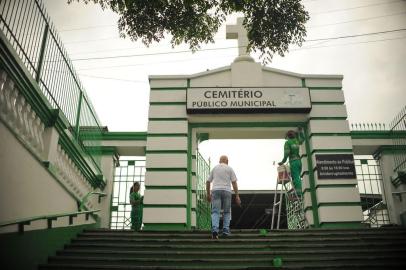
{"x": 130, "y": 171}
{"x": 29, "y": 30}
{"x": 371, "y": 190}
{"x": 125, "y": 175}
{"x": 369, "y": 127}
{"x": 203, "y": 211}
{"x": 398, "y": 134}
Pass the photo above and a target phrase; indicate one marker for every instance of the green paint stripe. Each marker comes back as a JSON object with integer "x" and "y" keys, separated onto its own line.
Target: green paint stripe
{"x": 247, "y": 124}
{"x": 328, "y": 118}
{"x": 372, "y": 134}
{"x": 167, "y": 103}
{"x": 165, "y": 187}
{"x": 336, "y": 186}
{"x": 332, "y": 151}
{"x": 166, "y": 152}
{"x": 164, "y": 205}
{"x": 168, "y": 119}
{"x": 124, "y": 136}
{"x": 237, "y": 87}
{"x": 311, "y": 180}
{"x": 166, "y": 169}
{"x": 167, "y": 134}
{"x": 389, "y": 150}
{"x": 330, "y": 134}
{"x": 164, "y": 227}
{"x": 109, "y": 150}
{"x": 326, "y": 103}
{"x": 189, "y": 176}
{"x": 329, "y": 103}
{"x": 303, "y": 82}
{"x": 326, "y": 88}
{"x": 335, "y": 204}
{"x": 346, "y": 225}
{"x": 168, "y": 88}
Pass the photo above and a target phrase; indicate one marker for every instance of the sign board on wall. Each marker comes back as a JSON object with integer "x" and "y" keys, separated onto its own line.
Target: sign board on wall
{"x": 334, "y": 166}
{"x": 248, "y": 100}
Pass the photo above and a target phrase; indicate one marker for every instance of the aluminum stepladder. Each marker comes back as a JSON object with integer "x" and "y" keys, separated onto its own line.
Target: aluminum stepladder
{"x": 294, "y": 204}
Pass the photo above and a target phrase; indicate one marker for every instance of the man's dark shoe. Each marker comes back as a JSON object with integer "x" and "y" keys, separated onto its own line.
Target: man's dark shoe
{"x": 225, "y": 235}
{"x": 214, "y": 235}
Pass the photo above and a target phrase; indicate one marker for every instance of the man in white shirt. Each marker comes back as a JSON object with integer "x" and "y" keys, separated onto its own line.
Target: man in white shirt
{"x": 222, "y": 177}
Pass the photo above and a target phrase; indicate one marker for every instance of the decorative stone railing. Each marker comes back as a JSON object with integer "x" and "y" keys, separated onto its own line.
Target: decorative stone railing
{"x": 72, "y": 179}
{"x": 17, "y": 114}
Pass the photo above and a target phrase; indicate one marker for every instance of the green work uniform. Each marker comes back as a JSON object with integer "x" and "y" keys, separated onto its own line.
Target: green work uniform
{"x": 136, "y": 210}
{"x": 291, "y": 151}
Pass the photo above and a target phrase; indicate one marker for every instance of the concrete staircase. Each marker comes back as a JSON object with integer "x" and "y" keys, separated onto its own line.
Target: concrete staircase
{"x": 383, "y": 248}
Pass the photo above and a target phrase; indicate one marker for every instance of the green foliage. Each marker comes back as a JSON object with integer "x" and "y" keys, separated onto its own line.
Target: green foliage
{"x": 272, "y": 25}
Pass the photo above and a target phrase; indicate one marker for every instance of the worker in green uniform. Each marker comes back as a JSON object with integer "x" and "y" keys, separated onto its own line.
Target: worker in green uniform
{"x": 291, "y": 151}
{"x": 136, "y": 206}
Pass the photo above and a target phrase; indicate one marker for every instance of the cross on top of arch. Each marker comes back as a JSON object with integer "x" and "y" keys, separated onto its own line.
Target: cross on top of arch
{"x": 237, "y": 31}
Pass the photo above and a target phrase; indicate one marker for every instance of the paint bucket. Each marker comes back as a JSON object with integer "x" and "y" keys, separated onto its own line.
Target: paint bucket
{"x": 283, "y": 174}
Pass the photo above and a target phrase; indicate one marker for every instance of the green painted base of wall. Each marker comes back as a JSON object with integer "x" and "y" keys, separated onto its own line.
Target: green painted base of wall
{"x": 27, "y": 250}
{"x": 165, "y": 227}
{"x": 343, "y": 225}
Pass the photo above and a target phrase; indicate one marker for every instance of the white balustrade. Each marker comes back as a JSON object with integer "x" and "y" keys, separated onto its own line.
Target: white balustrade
{"x": 72, "y": 177}
{"x": 19, "y": 116}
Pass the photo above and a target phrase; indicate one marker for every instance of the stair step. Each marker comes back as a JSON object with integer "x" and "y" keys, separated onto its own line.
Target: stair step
{"x": 216, "y": 245}
{"x": 376, "y": 266}
{"x": 311, "y": 249}
{"x": 256, "y": 231}
{"x": 235, "y": 262}
{"x": 201, "y": 254}
{"x": 61, "y": 266}
{"x": 231, "y": 239}
{"x": 242, "y": 235}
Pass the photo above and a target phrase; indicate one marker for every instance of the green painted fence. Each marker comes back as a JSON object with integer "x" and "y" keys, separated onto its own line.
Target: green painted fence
{"x": 29, "y": 30}
{"x": 203, "y": 211}
{"x": 398, "y": 134}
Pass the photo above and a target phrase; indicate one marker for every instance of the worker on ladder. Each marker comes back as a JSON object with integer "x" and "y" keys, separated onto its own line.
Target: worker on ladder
{"x": 291, "y": 151}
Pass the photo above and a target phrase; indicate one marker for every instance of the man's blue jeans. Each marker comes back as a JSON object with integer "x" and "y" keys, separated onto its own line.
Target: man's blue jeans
{"x": 220, "y": 199}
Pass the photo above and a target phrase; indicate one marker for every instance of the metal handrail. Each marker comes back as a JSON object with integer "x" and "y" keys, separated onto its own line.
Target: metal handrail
{"x": 27, "y": 221}
{"x": 83, "y": 201}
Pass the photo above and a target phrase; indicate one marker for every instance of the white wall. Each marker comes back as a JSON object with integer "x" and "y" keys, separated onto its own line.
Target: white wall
{"x": 27, "y": 188}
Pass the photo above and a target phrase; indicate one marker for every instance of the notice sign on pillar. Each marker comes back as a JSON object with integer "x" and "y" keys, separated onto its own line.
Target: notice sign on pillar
{"x": 335, "y": 166}
{"x": 248, "y": 100}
